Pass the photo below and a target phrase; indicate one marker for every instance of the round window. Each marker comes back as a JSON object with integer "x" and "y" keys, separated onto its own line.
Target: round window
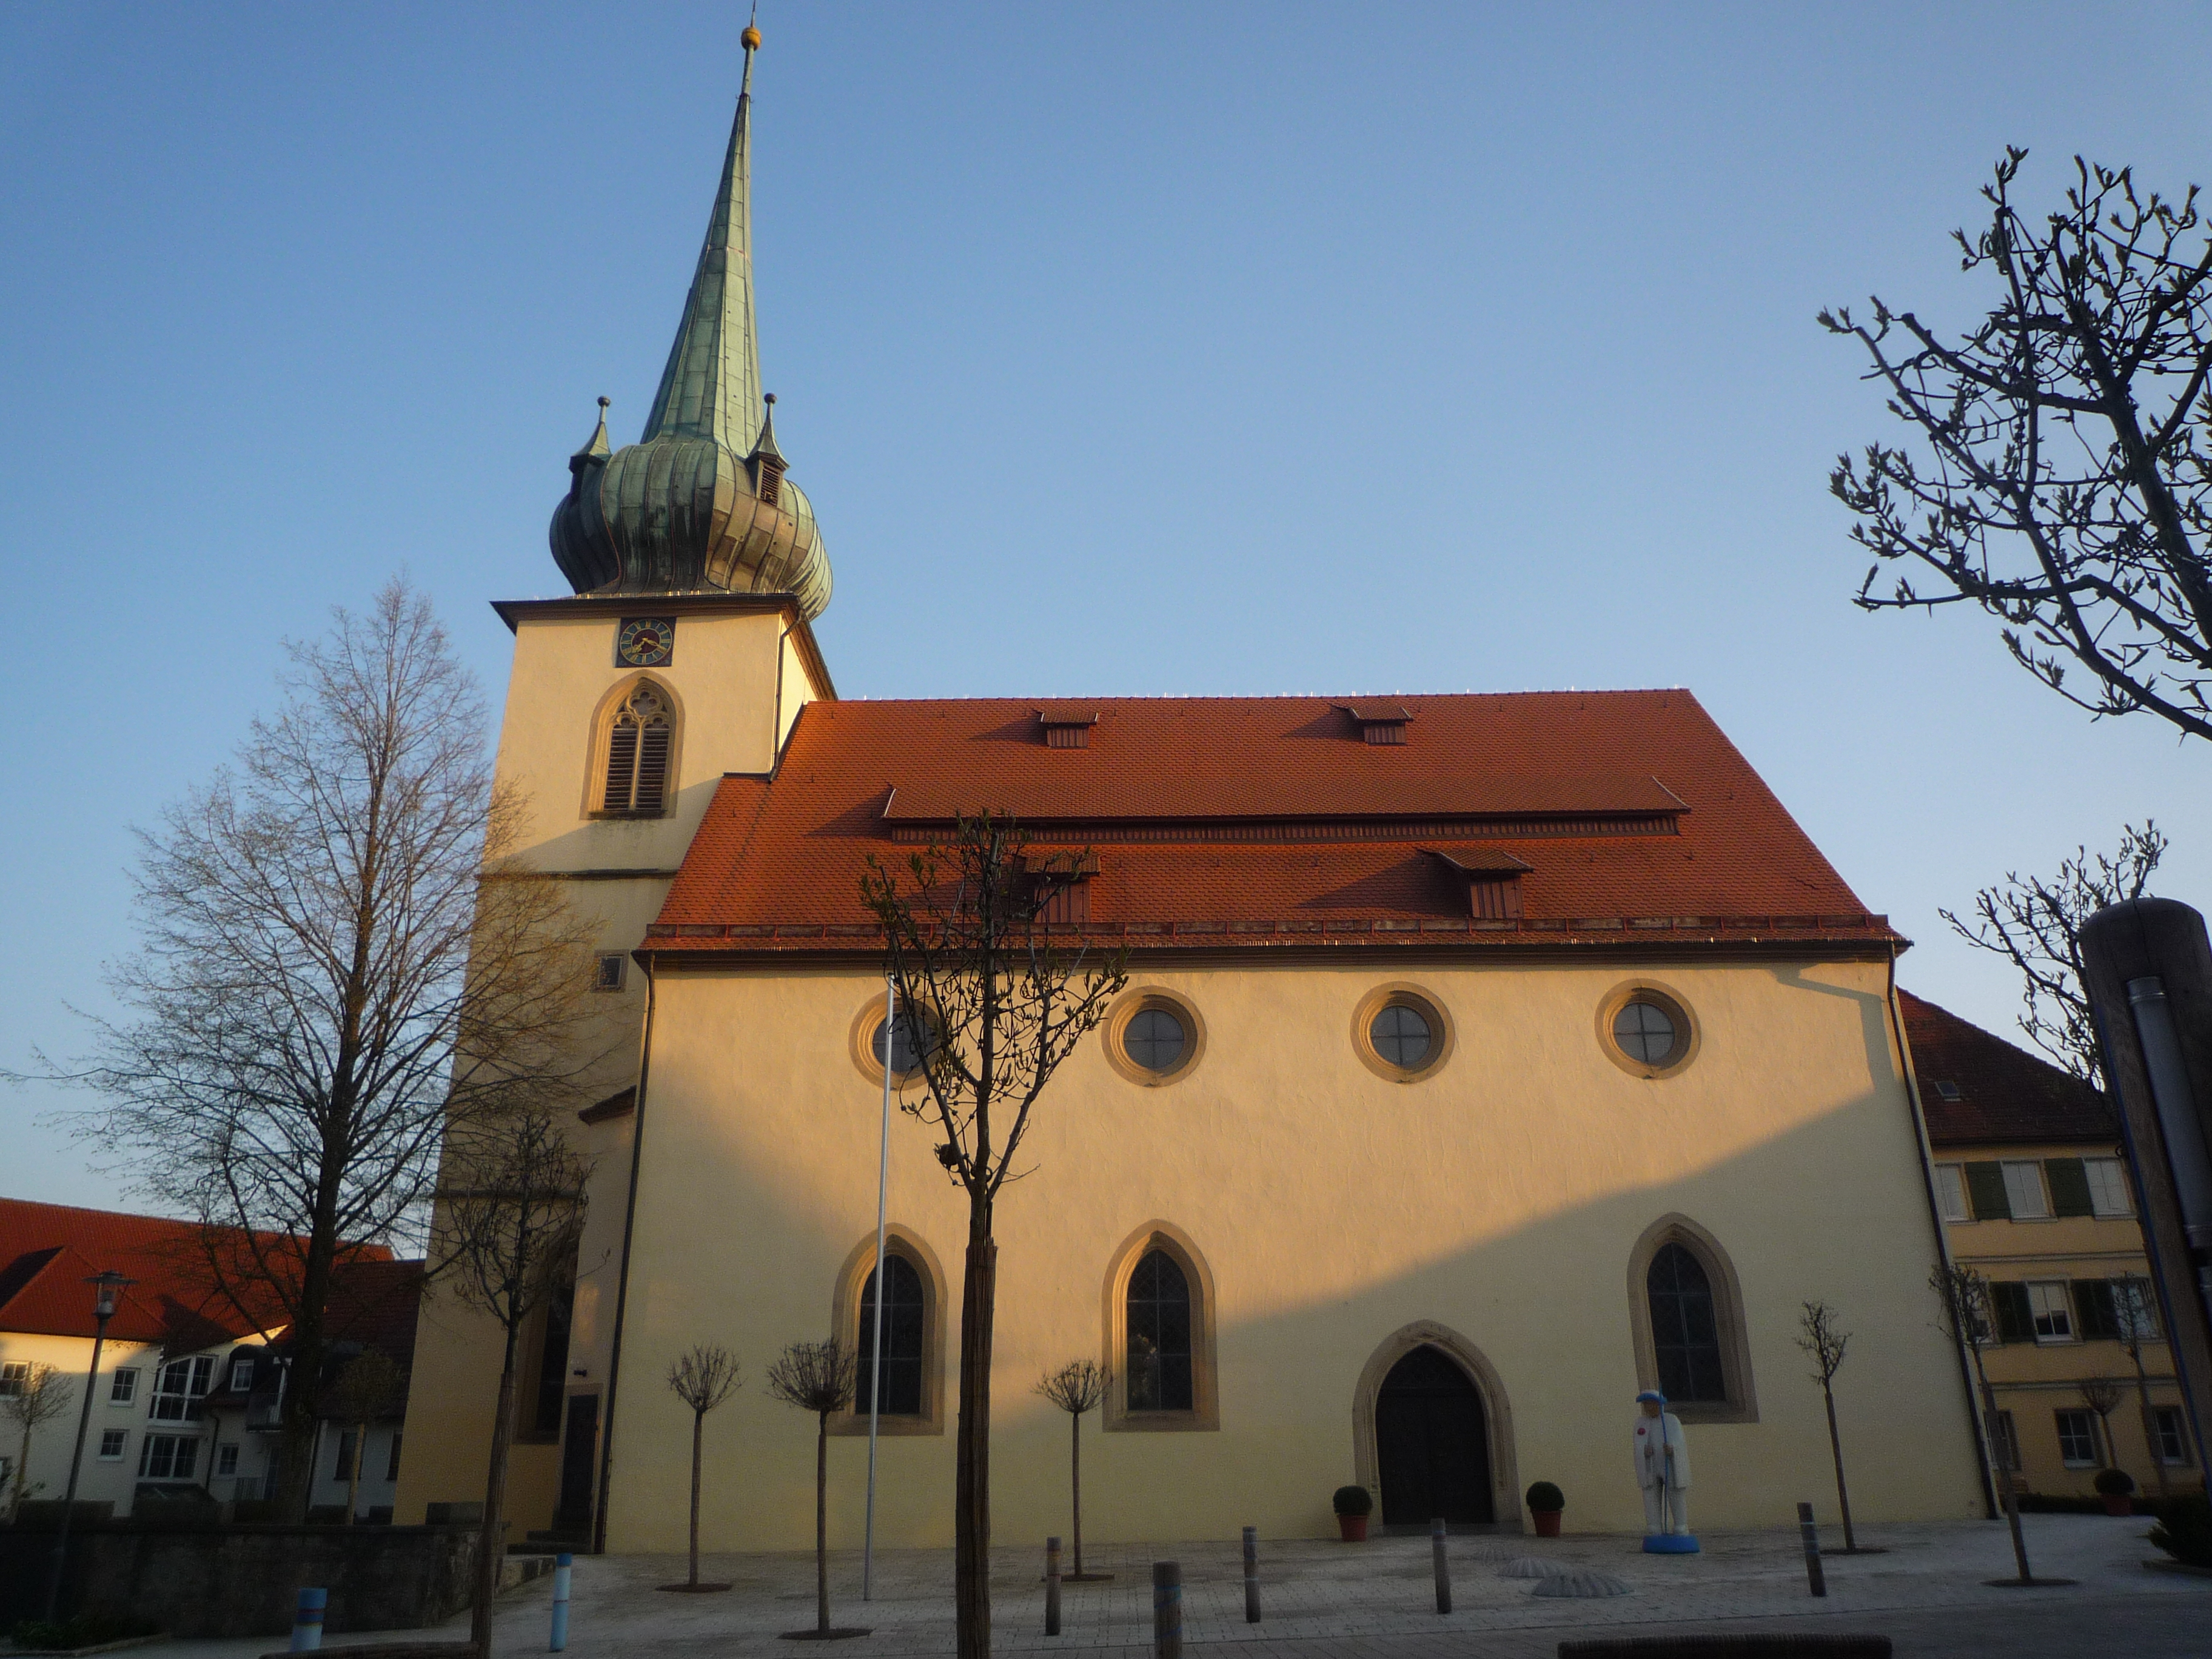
{"x": 1154, "y": 1039}
{"x": 1400, "y": 1035}
{"x": 908, "y": 1046}
{"x": 1645, "y": 1032}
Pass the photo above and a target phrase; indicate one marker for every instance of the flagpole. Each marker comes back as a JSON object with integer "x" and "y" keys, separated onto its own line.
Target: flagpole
{"x": 883, "y": 1283}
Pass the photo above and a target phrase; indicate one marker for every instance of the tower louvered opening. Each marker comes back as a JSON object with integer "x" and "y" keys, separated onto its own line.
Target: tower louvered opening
{"x": 639, "y": 743}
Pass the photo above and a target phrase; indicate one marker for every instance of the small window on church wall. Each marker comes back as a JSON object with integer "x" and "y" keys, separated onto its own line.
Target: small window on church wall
{"x": 1159, "y": 1359}
{"x": 1686, "y": 1339}
{"x": 638, "y": 746}
{"x": 904, "y": 1316}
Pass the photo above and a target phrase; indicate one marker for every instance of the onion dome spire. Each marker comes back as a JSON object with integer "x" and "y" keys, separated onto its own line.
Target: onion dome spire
{"x": 700, "y": 501}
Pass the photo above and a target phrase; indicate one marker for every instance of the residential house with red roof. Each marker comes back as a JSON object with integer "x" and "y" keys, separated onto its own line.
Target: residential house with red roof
{"x": 183, "y": 1400}
{"x": 2034, "y": 1190}
{"x": 1483, "y": 1060}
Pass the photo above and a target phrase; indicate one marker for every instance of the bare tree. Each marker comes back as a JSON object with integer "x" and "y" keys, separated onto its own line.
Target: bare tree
{"x": 1824, "y": 1343}
{"x": 1002, "y": 1008}
{"x": 702, "y": 1377}
{"x": 507, "y": 1226}
{"x": 2058, "y": 474}
{"x": 369, "y": 1388}
{"x": 2134, "y": 1310}
{"x": 2035, "y": 923}
{"x": 2102, "y": 1395}
{"x": 41, "y": 1396}
{"x": 817, "y": 1377}
{"x": 323, "y": 927}
{"x": 1968, "y": 1314}
{"x": 1077, "y": 1387}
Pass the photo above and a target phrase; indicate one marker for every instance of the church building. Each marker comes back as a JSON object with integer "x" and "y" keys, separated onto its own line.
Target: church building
{"x": 1485, "y": 1060}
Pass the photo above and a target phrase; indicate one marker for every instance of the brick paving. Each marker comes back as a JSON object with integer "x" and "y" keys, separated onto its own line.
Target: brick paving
{"x": 1329, "y": 1601}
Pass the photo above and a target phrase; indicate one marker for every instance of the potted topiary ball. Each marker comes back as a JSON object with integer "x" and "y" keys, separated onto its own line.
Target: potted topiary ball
{"x": 2117, "y": 1487}
{"x": 1352, "y": 1505}
{"x": 1545, "y": 1502}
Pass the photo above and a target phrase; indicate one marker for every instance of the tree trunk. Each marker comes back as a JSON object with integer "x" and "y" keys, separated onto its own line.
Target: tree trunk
{"x": 2150, "y": 1422}
{"x": 23, "y": 1474}
{"x": 353, "y": 1470}
{"x": 822, "y": 1525}
{"x": 1075, "y": 1482}
{"x": 698, "y": 1428}
{"x": 1836, "y": 1450}
{"x": 297, "y": 1462}
{"x": 971, "y": 1519}
{"x": 2004, "y": 1470}
{"x": 491, "y": 1544}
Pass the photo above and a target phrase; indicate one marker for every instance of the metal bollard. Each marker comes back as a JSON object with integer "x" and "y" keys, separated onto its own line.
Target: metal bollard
{"x": 1167, "y": 1610}
{"x": 1052, "y": 1587}
{"x": 562, "y": 1565}
{"x": 1251, "y": 1575}
{"x": 1443, "y": 1565}
{"x": 1814, "y": 1577}
{"x": 307, "y": 1621}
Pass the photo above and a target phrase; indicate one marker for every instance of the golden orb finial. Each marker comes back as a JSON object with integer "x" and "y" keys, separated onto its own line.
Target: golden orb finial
{"x": 750, "y": 39}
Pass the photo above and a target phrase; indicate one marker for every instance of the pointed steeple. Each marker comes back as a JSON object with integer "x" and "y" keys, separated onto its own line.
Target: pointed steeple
{"x": 711, "y": 387}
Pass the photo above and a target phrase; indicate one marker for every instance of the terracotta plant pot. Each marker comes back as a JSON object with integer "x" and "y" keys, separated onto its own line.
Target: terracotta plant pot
{"x": 1353, "y": 1527}
{"x": 2118, "y": 1503}
{"x": 1547, "y": 1522}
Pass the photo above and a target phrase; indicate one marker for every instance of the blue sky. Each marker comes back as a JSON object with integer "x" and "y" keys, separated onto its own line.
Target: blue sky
{"x": 1147, "y": 348}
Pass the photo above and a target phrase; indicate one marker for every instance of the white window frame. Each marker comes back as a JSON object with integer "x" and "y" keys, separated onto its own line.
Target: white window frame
{"x": 2048, "y": 1308}
{"x": 2160, "y": 1417}
{"x": 2025, "y": 1194}
{"x": 172, "y": 1404}
{"x": 117, "y": 1438}
{"x": 226, "y": 1459}
{"x": 173, "y": 1444}
{"x": 1951, "y": 1192}
{"x": 123, "y": 1386}
{"x": 241, "y": 1367}
{"x": 2087, "y": 1421}
{"x": 13, "y": 1374}
{"x": 2109, "y": 1195}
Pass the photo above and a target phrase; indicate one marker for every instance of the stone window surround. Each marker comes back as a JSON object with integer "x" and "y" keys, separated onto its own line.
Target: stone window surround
{"x": 603, "y": 724}
{"x": 1422, "y": 1001}
{"x": 1742, "y": 1405}
{"x": 845, "y": 1320}
{"x": 1205, "y": 1415}
{"x": 1133, "y": 1002}
{"x": 1689, "y": 1030}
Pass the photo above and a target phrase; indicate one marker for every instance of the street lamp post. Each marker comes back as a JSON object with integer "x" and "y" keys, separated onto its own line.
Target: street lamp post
{"x": 107, "y": 1289}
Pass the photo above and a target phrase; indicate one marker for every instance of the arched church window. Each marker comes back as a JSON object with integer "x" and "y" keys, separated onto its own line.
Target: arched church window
{"x": 639, "y": 742}
{"x": 1159, "y": 1325}
{"x": 1685, "y": 1337}
{"x": 906, "y": 1311}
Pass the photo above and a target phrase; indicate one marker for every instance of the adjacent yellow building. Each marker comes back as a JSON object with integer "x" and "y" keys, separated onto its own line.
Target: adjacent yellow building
{"x": 1485, "y": 1060}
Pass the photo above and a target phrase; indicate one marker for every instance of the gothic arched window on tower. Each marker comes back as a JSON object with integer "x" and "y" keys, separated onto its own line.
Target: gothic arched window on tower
{"x": 1686, "y": 1338}
{"x": 639, "y": 743}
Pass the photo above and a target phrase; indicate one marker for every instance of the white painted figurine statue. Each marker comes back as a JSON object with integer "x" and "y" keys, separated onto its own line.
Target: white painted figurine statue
{"x": 1663, "y": 1468}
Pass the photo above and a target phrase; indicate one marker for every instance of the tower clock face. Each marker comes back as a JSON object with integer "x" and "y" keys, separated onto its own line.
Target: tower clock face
{"x": 646, "y": 642}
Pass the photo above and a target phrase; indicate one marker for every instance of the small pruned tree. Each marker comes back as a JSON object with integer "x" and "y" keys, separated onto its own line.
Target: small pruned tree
{"x": 1077, "y": 1387}
{"x": 324, "y": 926}
{"x": 2034, "y": 922}
{"x": 1967, "y": 1312}
{"x": 370, "y": 1388}
{"x": 508, "y": 1220}
{"x": 2134, "y": 1312}
{"x": 1823, "y": 1342}
{"x": 702, "y": 1377}
{"x": 817, "y": 1377}
{"x": 40, "y": 1394}
{"x": 2057, "y": 473}
{"x": 2102, "y": 1395}
{"x": 1000, "y": 1004}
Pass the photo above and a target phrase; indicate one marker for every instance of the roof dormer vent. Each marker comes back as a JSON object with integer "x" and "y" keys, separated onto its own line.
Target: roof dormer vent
{"x": 1067, "y": 727}
{"x": 1379, "y": 722}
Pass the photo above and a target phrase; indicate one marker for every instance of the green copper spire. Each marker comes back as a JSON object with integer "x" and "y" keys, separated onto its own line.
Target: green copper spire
{"x": 702, "y": 502}
{"x": 711, "y": 387}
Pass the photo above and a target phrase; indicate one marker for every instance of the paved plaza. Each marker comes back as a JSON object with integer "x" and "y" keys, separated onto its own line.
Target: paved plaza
{"x": 1376, "y": 1601}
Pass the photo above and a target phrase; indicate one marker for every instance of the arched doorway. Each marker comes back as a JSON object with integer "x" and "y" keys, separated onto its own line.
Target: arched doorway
{"x": 1432, "y": 1442}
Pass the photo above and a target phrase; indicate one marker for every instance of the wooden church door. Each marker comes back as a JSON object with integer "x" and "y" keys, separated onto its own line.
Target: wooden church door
{"x": 1431, "y": 1443}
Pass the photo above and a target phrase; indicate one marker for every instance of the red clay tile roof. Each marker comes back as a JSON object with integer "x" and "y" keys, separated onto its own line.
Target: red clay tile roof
{"x": 1237, "y": 821}
{"x": 2005, "y": 1093}
{"x": 48, "y": 1250}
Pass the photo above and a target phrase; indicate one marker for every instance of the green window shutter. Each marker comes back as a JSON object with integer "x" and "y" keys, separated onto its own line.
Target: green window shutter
{"x": 2069, "y": 1186}
{"x": 2015, "y": 1321}
{"x": 1985, "y": 1187}
{"x": 2093, "y": 1310}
